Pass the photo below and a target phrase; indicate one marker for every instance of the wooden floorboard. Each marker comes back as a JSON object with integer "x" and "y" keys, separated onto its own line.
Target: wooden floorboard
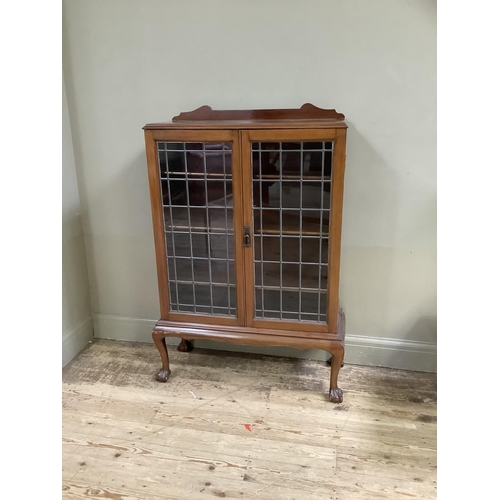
{"x": 234, "y": 425}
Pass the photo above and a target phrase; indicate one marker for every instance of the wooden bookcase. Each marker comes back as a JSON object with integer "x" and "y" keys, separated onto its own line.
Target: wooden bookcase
{"x": 247, "y": 217}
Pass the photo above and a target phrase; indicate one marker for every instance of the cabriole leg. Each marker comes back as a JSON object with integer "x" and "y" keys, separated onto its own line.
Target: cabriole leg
{"x": 185, "y": 346}
{"x": 336, "y": 395}
{"x": 159, "y": 340}
{"x": 341, "y": 332}
{"x": 329, "y": 362}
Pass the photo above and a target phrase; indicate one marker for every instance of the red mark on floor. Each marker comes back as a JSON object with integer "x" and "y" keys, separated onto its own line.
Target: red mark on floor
{"x": 247, "y": 427}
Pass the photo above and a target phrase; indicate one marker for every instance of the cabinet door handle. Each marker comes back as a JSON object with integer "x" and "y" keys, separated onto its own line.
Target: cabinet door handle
{"x": 246, "y": 236}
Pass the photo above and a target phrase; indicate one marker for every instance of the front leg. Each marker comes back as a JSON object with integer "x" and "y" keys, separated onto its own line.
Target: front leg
{"x": 336, "y": 394}
{"x": 341, "y": 332}
{"x": 159, "y": 340}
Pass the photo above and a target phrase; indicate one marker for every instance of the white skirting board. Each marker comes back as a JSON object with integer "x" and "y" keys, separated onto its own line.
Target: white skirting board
{"x": 360, "y": 350}
{"x": 75, "y": 339}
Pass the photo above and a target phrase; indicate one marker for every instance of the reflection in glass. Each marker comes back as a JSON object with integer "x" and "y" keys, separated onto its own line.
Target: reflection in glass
{"x": 291, "y": 209}
{"x": 196, "y": 186}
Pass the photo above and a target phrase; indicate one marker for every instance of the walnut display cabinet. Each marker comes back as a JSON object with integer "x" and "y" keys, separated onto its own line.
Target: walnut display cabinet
{"x": 247, "y": 216}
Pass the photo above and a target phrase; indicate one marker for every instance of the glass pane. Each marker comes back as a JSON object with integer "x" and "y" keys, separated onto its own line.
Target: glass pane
{"x": 291, "y": 208}
{"x": 197, "y": 194}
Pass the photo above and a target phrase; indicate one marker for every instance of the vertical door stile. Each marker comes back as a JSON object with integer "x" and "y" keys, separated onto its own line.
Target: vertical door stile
{"x": 238, "y": 207}
{"x": 158, "y": 226}
{"x": 246, "y": 170}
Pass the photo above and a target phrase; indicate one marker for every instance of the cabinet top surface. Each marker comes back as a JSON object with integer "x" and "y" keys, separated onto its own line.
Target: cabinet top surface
{"x": 307, "y": 116}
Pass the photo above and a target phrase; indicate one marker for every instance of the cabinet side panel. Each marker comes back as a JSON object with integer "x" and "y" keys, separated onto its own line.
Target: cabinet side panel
{"x": 158, "y": 225}
{"x": 336, "y": 229}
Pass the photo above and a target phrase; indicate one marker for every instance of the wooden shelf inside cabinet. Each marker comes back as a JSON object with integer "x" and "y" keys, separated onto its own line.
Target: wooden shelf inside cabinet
{"x": 247, "y": 215}
{"x": 282, "y": 222}
{"x": 196, "y": 176}
{"x": 290, "y": 177}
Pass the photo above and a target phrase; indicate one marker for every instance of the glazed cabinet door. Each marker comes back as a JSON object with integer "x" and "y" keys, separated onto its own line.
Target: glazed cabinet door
{"x": 293, "y": 201}
{"x": 195, "y": 186}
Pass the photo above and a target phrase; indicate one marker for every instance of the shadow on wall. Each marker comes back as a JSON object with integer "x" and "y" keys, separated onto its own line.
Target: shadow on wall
{"x": 369, "y": 231}
{"x": 421, "y": 355}
{"x": 382, "y": 289}
{"x": 122, "y": 263}
{"x": 424, "y": 328}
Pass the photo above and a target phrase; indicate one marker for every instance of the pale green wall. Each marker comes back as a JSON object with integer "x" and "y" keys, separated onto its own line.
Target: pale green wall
{"x": 76, "y": 310}
{"x": 128, "y": 63}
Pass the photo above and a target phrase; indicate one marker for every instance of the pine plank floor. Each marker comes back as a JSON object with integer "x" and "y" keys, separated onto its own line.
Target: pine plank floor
{"x": 230, "y": 425}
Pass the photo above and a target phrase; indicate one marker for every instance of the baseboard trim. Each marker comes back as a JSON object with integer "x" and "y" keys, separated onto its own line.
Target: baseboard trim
{"x": 114, "y": 327}
{"x": 393, "y": 353}
{"x": 75, "y": 339}
{"x": 360, "y": 350}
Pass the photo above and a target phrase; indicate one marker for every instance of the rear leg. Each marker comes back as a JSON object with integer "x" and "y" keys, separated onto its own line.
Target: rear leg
{"x": 185, "y": 346}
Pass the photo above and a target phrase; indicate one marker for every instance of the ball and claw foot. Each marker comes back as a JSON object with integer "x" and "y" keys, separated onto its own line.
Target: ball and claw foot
{"x": 163, "y": 375}
{"x": 185, "y": 346}
{"x": 336, "y": 395}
